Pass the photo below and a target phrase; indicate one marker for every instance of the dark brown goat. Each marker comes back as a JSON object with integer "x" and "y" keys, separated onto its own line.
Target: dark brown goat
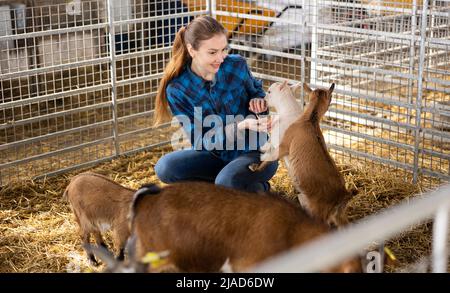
{"x": 100, "y": 204}
{"x": 203, "y": 225}
{"x": 314, "y": 173}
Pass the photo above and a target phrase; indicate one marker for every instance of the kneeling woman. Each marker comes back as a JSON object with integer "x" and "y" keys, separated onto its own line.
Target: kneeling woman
{"x": 202, "y": 83}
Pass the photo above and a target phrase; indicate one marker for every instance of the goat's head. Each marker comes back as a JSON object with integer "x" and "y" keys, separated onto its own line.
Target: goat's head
{"x": 148, "y": 264}
{"x": 279, "y": 92}
{"x": 319, "y": 98}
{"x": 114, "y": 265}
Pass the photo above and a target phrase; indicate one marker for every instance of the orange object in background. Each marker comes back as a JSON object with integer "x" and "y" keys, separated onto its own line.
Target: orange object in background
{"x": 235, "y": 24}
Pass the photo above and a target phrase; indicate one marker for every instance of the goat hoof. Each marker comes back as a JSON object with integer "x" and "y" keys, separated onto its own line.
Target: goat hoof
{"x": 93, "y": 262}
{"x": 253, "y": 167}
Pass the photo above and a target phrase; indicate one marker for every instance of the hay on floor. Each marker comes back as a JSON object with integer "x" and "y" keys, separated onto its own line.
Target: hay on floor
{"x": 38, "y": 232}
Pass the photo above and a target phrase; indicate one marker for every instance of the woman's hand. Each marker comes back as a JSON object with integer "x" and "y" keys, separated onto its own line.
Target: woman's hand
{"x": 258, "y": 105}
{"x": 262, "y": 124}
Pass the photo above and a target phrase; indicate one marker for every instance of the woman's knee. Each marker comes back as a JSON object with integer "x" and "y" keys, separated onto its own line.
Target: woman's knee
{"x": 246, "y": 179}
{"x": 165, "y": 169}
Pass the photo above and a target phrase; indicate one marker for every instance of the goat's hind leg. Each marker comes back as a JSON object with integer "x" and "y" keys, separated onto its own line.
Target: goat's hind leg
{"x": 86, "y": 242}
{"x": 120, "y": 237}
{"x": 85, "y": 239}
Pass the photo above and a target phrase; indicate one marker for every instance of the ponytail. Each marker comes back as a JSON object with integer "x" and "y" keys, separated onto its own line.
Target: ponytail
{"x": 179, "y": 58}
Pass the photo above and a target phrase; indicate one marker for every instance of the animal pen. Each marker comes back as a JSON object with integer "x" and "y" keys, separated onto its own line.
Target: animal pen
{"x": 78, "y": 81}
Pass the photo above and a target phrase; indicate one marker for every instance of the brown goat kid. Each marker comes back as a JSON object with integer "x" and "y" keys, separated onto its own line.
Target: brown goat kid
{"x": 312, "y": 169}
{"x": 100, "y": 204}
{"x": 203, "y": 226}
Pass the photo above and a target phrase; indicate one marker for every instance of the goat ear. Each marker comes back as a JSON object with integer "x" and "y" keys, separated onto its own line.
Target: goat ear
{"x": 331, "y": 89}
{"x": 307, "y": 89}
{"x": 296, "y": 87}
{"x": 283, "y": 85}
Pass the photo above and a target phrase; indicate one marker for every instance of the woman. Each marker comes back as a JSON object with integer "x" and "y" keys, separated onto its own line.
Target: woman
{"x": 210, "y": 93}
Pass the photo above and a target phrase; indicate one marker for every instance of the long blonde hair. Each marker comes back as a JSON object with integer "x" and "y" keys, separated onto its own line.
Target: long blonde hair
{"x": 200, "y": 29}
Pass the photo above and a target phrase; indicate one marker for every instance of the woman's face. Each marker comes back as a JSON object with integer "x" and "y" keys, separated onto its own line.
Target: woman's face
{"x": 210, "y": 54}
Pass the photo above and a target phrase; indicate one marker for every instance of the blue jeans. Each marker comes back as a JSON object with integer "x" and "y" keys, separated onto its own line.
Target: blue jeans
{"x": 192, "y": 165}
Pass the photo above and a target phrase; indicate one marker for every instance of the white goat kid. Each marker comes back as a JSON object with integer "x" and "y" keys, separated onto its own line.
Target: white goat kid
{"x": 281, "y": 96}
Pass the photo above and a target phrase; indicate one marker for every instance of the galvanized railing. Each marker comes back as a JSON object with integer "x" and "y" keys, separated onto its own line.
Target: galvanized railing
{"x": 391, "y": 72}
{"x": 329, "y": 250}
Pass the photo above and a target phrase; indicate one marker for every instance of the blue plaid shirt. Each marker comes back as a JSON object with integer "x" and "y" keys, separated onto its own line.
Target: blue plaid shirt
{"x": 192, "y": 98}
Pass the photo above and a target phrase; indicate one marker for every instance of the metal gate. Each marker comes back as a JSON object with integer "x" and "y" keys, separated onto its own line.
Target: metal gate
{"x": 390, "y": 61}
{"x": 78, "y": 79}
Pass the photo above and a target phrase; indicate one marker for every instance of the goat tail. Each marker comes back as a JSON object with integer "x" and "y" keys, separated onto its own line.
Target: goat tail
{"x": 144, "y": 190}
{"x": 65, "y": 195}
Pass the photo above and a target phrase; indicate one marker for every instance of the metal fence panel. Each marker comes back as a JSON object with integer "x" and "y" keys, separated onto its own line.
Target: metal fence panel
{"x": 78, "y": 80}
{"x": 390, "y": 63}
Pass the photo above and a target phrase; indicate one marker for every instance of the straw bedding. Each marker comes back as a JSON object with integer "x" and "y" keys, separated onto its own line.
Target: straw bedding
{"x": 38, "y": 232}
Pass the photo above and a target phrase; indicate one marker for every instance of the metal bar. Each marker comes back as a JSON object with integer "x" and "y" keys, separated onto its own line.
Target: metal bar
{"x": 271, "y": 77}
{"x": 342, "y": 244}
{"x": 303, "y": 59}
{"x": 314, "y": 43}
{"x": 365, "y": 119}
{"x": 439, "y": 81}
{"x": 369, "y": 34}
{"x": 395, "y": 63}
{"x": 76, "y": 110}
{"x": 140, "y": 131}
{"x": 364, "y": 68}
{"x": 59, "y": 31}
{"x": 436, "y": 154}
{"x": 146, "y": 148}
{"x": 136, "y": 98}
{"x": 436, "y": 132}
{"x": 143, "y": 53}
{"x": 361, "y": 6}
{"x": 439, "y": 44}
{"x": 435, "y": 174}
{"x": 374, "y": 158}
{"x": 54, "y": 115}
{"x": 74, "y": 167}
{"x": 266, "y": 51}
{"x": 159, "y": 17}
{"x": 53, "y": 68}
{"x": 54, "y": 96}
{"x": 367, "y": 38}
{"x": 418, "y": 127}
{"x": 412, "y": 50}
{"x": 390, "y": 64}
{"x": 211, "y": 7}
{"x": 368, "y": 137}
{"x": 440, "y": 236}
{"x": 136, "y": 115}
{"x": 255, "y": 17}
{"x": 138, "y": 79}
{"x": 55, "y": 153}
{"x": 370, "y": 96}
{"x": 112, "y": 56}
{"x": 53, "y": 135}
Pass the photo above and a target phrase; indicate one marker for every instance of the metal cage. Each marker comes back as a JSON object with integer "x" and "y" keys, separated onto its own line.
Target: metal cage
{"x": 78, "y": 79}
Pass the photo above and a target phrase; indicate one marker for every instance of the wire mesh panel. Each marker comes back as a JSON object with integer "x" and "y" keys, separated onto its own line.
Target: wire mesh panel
{"x": 77, "y": 79}
{"x": 55, "y": 92}
{"x": 389, "y": 60}
{"x": 378, "y": 55}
